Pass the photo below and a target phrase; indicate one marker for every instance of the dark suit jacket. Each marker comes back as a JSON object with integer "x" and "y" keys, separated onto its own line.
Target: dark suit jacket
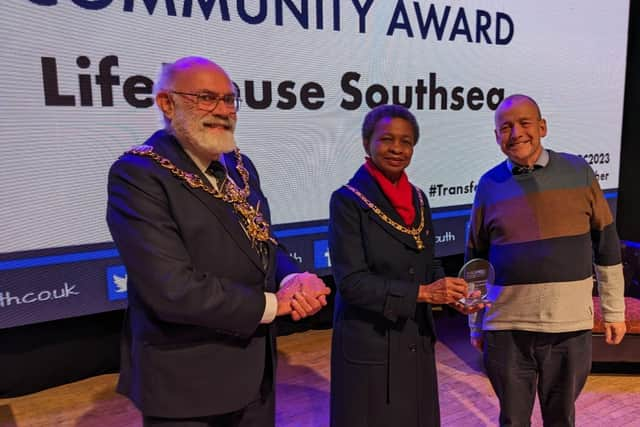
{"x": 192, "y": 344}
{"x": 379, "y": 329}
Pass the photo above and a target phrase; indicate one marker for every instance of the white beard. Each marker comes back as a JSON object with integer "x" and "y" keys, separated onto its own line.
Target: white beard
{"x": 196, "y": 136}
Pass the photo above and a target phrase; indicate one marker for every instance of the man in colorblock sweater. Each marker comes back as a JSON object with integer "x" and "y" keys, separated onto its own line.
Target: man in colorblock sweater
{"x": 541, "y": 219}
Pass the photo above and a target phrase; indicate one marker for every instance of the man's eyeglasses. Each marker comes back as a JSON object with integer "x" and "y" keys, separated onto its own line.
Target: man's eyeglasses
{"x": 208, "y": 101}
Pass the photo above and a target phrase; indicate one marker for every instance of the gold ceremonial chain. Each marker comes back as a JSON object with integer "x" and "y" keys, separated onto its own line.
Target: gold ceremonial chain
{"x": 256, "y": 226}
{"x": 413, "y": 232}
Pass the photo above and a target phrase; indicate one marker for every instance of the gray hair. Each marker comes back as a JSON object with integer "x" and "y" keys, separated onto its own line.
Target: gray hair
{"x": 168, "y": 72}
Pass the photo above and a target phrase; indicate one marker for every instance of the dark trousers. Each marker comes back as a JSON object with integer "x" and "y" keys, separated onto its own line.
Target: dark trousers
{"x": 259, "y": 413}
{"x": 556, "y": 364}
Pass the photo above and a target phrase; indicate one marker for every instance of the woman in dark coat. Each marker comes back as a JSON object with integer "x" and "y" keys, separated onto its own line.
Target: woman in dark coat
{"x": 382, "y": 246}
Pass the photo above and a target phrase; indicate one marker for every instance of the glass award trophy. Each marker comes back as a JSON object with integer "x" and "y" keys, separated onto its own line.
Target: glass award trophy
{"x": 477, "y": 273}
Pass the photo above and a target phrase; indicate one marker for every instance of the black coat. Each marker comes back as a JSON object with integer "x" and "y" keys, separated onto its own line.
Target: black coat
{"x": 192, "y": 343}
{"x": 382, "y": 364}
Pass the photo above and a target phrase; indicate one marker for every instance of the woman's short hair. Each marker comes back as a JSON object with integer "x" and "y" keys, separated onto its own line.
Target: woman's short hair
{"x": 388, "y": 111}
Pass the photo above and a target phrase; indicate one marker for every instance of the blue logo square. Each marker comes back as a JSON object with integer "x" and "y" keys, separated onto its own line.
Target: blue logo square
{"x": 116, "y": 282}
{"x": 321, "y": 254}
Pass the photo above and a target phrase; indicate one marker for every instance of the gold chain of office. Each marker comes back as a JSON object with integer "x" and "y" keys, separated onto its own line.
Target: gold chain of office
{"x": 257, "y": 227}
{"x": 413, "y": 231}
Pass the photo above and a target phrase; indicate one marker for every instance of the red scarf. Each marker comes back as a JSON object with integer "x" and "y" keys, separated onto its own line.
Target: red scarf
{"x": 400, "y": 195}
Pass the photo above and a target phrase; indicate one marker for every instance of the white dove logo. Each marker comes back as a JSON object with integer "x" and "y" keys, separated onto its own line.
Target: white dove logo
{"x": 121, "y": 283}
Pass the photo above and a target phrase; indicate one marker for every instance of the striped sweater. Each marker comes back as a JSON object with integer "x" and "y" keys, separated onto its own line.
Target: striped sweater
{"x": 544, "y": 232}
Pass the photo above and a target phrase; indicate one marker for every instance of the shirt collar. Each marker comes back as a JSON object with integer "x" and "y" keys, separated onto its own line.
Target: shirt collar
{"x": 203, "y": 165}
{"x": 543, "y": 161}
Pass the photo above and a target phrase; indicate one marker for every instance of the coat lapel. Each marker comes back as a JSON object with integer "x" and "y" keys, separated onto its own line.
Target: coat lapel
{"x": 169, "y": 147}
{"x": 366, "y": 184}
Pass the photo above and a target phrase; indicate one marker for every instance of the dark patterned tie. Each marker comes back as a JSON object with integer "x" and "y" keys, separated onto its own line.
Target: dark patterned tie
{"x": 218, "y": 170}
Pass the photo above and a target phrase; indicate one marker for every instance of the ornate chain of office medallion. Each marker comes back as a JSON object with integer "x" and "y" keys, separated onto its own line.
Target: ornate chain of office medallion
{"x": 413, "y": 232}
{"x": 255, "y": 225}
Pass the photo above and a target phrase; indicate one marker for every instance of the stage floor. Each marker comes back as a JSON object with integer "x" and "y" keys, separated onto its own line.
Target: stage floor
{"x": 466, "y": 397}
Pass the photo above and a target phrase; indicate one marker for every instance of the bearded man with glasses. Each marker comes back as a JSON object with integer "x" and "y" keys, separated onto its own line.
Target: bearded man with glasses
{"x": 206, "y": 278}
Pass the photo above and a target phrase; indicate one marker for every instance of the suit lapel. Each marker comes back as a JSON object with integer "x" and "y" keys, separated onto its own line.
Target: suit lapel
{"x": 170, "y": 148}
{"x": 229, "y": 220}
{"x": 365, "y": 183}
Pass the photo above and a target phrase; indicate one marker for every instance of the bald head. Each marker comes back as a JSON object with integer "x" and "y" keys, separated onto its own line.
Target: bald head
{"x": 520, "y": 129}
{"x": 512, "y": 100}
